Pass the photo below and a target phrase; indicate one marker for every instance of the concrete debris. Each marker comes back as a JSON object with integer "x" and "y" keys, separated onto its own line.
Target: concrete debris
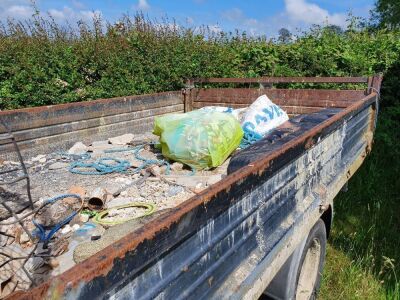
{"x": 40, "y": 158}
{"x": 195, "y": 181}
{"x": 155, "y": 170}
{"x": 24, "y": 238}
{"x": 110, "y": 236}
{"x": 11, "y": 273}
{"x": 147, "y": 154}
{"x": 84, "y": 218}
{"x": 100, "y": 146}
{"x": 53, "y": 214}
{"x": 153, "y": 179}
{"x": 78, "y": 148}
{"x": 76, "y": 189}
{"x": 121, "y": 201}
{"x": 53, "y": 263}
{"x": 115, "y": 187}
{"x": 175, "y": 190}
{"x": 123, "y": 180}
{"x": 122, "y": 139}
{"x": 58, "y": 165}
{"x": 176, "y": 166}
{"x": 144, "y": 139}
{"x": 81, "y": 238}
{"x": 60, "y": 246}
{"x": 12, "y": 163}
{"x": 66, "y": 229}
{"x": 8, "y": 286}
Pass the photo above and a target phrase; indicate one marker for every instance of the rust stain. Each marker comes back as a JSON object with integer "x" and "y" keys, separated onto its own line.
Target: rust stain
{"x": 310, "y": 142}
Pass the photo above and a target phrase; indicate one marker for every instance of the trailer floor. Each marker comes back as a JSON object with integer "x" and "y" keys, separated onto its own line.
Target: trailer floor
{"x": 50, "y": 176}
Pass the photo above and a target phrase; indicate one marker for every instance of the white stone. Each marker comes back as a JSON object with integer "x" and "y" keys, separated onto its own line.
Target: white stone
{"x": 84, "y": 218}
{"x": 78, "y": 148}
{"x": 75, "y": 227}
{"x": 66, "y": 229}
{"x": 39, "y": 158}
{"x": 176, "y": 166}
{"x": 122, "y": 139}
{"x": 123, "y": 180}
{"x": 58, "y": 165}
{"x": 24, "y": 238}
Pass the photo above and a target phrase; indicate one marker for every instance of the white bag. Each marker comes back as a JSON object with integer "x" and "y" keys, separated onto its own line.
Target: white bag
{"x": 237, "y": 113}
{"x": 262, "y": 116}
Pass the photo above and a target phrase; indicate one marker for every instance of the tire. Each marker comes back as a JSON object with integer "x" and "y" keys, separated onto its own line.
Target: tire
{"x": 300, "y": 276}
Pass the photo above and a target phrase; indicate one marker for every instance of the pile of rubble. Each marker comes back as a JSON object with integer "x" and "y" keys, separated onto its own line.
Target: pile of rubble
{"x": 28, "y": 258}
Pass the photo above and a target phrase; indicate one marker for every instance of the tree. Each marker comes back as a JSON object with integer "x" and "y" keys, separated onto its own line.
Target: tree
{"x": 334, "y": 29}
{"x": 284, "y": 35}
{"x": 387, "y": 13}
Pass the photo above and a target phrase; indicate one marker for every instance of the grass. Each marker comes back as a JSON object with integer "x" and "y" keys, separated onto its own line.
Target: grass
{"x": 363, "y": 259}
{"x": 346, "y": 279}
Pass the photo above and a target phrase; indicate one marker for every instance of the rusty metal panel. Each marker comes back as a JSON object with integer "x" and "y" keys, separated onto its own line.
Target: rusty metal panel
{"x": 289, "y": 97}
{"x": 147, "y": 255}
{"x": 28, "y": 118}
{"x": 284, "y": 80}
{"x": 55, "y": 128}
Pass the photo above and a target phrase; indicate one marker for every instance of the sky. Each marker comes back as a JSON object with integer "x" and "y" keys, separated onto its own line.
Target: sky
{"x": 257, "y": 17}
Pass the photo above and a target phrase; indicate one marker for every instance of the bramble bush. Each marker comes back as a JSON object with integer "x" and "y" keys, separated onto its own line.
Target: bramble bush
{"x": 42, "y": 62}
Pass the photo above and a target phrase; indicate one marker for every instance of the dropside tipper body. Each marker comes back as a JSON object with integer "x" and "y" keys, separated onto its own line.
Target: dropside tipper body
{"x": 230, "y": 240}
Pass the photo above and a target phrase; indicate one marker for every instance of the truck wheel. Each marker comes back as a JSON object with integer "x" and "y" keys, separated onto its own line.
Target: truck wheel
{"x": 300, "y": 276}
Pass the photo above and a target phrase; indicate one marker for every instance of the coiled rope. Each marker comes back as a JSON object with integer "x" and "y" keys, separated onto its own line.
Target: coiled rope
{"x": 41, "y": 229}
{"x": 249, "y": 137}
{"x": 109, "y": 165}
{"x": 100, "y": 166}
{"x": 99, "y": 217}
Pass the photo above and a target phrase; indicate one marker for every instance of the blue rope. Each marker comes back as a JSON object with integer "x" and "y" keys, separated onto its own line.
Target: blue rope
{"x": 249, "y": 137}
{"x": 100, "y": 166}
{"x": 41, "y": 230}
{"x": 148, "y": 162}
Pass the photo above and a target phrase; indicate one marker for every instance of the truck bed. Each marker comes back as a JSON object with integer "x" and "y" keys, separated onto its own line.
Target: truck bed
{"x": 230, "y": 229}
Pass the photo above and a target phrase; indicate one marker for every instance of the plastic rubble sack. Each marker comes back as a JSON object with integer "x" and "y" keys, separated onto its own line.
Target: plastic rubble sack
{"x": 262, "y": 116}
{"x": 200, "y": 139}
{"x": 237, "y": 113}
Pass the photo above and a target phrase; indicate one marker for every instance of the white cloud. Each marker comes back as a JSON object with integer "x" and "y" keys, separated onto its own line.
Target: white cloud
{"x": 309, "y": 13}
{"x": 143, "y": 5}
{"x": 297, "y": 15}
{"x": 22, "y": 9}
{"x": 238, "y": 19}
{"x": 15, "y": 9}
{"x": 71, "y": 15}
{"x": 215, "y": 28}
{"x": 19, "y": 11}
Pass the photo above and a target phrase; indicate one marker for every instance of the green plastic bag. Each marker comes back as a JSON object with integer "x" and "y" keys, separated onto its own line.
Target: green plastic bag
{"x": 199, "y": 139}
